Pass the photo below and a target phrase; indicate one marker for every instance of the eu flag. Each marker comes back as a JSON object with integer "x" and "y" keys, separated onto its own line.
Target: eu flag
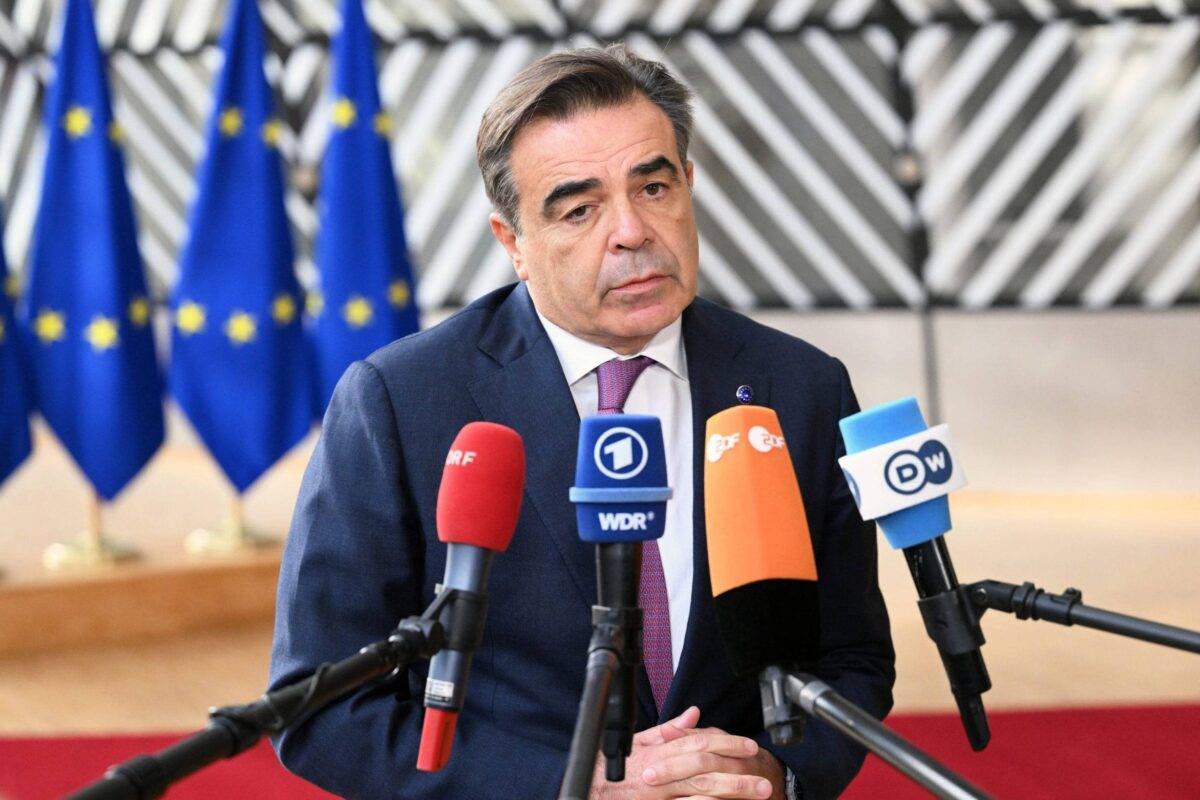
{"x": 85, "y": 311}
{"x": 366, "y": 298}
{"x": 239, "y": 367}
{"x": 14, "y": 402}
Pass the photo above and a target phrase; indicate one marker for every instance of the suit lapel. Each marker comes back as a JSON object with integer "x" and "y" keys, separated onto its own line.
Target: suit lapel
{"x": 716, "y": 368}
{"x": 530, "y": 394}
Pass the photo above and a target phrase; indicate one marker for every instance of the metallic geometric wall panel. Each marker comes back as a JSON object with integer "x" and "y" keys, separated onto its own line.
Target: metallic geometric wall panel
{"x": 925, "y": 12}
{"x": 1060, "y": 155}
{"x": 609, "y": 18}
{"x": 1062, "y": 163}
{"x": 795, "y": 134}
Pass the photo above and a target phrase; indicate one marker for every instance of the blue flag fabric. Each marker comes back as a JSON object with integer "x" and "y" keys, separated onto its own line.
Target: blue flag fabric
{"x": 14, "y": 400}
{"x": 366, "y": 297}
{"x": 240, "y": 368}
{"x": 85, "y": 313}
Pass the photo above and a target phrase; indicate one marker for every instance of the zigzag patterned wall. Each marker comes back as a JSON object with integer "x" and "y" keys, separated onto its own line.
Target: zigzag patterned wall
{"x": 849, "y": 153}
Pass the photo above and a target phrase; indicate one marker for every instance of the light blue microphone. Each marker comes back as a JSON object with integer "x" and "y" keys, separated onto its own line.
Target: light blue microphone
{"x": 950, "y": 620}
{"x": 882, "y": 425}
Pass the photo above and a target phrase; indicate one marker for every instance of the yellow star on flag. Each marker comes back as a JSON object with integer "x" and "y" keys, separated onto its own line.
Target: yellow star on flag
{"x": 314, "y": 303}
{"x": 49, "y": 326}
{"x": 102, "y": 333}
{"x": 271, "y": 131}
{"x": 190, "y": 318}
{"x": 139, "y": 311}
{"x": 358, "y": 311}
{"x": 230, "y": 121}
{"x": 12, "y": 287}
{"x": 398, "y": 294}
{"x": 77, "y": 121}
{"x": 383, "y": 123}
{"x": 344, "y": 112}
{"x": 116, "y": 133}
{"x": 283, "y": 310}
{"x": 1, "y": 329}
{"x": 241, "y": 328}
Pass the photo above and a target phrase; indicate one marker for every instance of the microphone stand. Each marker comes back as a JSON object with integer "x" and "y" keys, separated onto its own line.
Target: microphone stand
{"x": 1029, "y": 602}
{"x": 235, "y": 729}
{"x": 953, "y": 625}
{"x": 609, "y": 692}
{"x": 819, "y": 700}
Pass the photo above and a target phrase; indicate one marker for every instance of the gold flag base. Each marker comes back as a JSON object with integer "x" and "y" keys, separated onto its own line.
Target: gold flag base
{"x": 87, "y": 551}
{"x": 229, "y": 539}
{"x": 91, "y": 549}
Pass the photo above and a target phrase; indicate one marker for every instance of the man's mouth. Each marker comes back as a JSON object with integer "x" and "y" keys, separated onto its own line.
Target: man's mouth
{"x": 642, "y": 284}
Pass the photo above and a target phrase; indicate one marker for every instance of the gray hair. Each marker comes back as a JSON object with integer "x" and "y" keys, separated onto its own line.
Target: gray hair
{"x": 560, "y": 85}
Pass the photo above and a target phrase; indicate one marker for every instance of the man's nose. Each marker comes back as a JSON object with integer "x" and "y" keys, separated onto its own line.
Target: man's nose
{"x": 629, "y": 231}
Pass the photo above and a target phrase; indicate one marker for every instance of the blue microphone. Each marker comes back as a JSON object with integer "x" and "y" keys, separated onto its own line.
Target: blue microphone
{"x": 902, "y": 462}
{"x": 620, "y": 491}
{"x": 620, "y": 497}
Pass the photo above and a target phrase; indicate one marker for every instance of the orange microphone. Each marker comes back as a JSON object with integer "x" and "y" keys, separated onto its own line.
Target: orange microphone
{"x": 760, "y": 554}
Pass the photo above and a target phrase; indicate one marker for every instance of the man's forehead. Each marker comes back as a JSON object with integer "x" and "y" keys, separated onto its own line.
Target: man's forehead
{"x": 593, "y": 142}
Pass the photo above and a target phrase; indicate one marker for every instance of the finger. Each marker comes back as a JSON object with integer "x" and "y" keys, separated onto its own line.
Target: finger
{"x": 719, "y": 742}
{"x": 681, "y": 767}
{"x": 670, "y": 730}
{"x": 693, "y": 731}
{"x": 721, "y": 785}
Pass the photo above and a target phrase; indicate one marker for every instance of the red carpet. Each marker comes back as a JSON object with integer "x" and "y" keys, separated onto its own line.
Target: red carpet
{"x": 45, "y": 768}
{"x": 1127, "y": 752}
{"x": 1130, "y": 752}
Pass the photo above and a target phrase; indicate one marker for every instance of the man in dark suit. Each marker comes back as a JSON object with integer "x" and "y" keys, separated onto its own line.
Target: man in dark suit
{"x": 584, "y": 156}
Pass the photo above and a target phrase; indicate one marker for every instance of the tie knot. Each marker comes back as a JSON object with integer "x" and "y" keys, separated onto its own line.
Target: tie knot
{"x": 615, "y": 379}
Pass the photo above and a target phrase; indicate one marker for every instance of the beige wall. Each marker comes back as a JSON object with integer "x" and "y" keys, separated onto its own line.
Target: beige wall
{"x": 1062, "y": 402}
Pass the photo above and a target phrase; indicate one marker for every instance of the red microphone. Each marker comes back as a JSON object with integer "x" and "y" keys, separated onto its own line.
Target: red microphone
{"x": 477, "y": 509}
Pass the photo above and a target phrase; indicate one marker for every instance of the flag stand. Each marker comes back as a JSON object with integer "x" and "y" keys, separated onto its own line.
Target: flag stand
{"x": 230, "y": 538}
{"x": 91, "y": 549}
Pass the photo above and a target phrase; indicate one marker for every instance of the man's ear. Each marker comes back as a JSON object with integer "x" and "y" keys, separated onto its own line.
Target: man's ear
{"x": 690, "y": 172}
{"x": 507, "y": 237}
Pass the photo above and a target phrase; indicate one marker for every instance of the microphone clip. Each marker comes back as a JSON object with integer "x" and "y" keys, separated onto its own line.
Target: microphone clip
{"x": 782, "y": 718}
{"x": 952, "y": 620}
{"x": 462, "y": 612}
{"x": 619, "y": 630}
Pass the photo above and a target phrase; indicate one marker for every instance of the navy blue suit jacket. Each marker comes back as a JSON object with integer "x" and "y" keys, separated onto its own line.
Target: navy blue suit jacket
{"x": 363, "y": 553}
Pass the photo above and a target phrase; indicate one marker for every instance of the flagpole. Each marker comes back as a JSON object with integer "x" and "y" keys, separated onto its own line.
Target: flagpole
{"x": 90, "y": 549}
{"x": 230, "y": 538}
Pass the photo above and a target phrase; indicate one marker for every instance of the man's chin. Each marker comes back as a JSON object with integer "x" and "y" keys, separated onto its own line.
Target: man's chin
{"x": 645, "y": 321}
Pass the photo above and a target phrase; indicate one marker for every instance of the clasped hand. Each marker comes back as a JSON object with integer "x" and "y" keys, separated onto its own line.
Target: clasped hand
{"x": 679, "y": 760}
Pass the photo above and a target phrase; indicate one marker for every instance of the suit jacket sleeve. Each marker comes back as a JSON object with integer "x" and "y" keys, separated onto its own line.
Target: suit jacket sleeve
{"x": 857, "y": 659}
{"x": 352, "y": 569}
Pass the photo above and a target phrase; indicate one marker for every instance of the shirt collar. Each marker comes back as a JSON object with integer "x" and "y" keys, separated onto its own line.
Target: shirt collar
{"x": 578, "y": 356}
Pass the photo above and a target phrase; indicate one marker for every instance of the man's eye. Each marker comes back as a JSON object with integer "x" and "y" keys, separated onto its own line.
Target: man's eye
{"x": 576, "y": 214}
{"x": 655, "y": 189}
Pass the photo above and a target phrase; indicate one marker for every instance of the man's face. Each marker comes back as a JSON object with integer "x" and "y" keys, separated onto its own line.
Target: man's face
{"x": 608, "y": 241}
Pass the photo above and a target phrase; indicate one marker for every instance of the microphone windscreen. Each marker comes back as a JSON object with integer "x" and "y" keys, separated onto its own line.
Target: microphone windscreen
{"x": 437, "y": 737}
{"x": 760, "y": 555}
{"x": 881, "y": 425}
{"x": 480, "y": 496}
{"x": 620, "y": 491}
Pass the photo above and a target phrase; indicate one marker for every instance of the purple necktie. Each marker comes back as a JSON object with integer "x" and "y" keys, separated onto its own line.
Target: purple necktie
{"x": 615, "y": 379}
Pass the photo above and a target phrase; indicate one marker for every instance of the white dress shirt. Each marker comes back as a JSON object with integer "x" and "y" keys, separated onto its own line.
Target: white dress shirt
{"x": 662, "y": 390}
